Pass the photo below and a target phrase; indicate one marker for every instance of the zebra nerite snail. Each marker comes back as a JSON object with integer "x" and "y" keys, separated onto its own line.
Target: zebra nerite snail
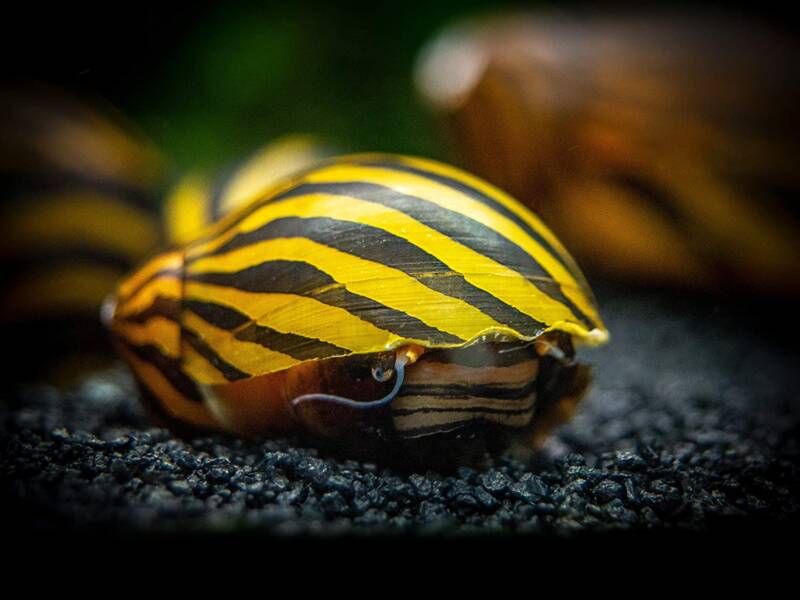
{"x": 381, "y": 302}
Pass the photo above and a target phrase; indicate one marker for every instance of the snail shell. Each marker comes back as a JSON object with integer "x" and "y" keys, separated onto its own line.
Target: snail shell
{"x": 342, "y": 279}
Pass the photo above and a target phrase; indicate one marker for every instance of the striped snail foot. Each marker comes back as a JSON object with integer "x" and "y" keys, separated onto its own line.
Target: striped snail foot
{"x": 458, "y": 407}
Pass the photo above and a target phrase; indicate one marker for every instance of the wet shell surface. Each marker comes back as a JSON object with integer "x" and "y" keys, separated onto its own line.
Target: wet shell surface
{"x": 359, "y": 263}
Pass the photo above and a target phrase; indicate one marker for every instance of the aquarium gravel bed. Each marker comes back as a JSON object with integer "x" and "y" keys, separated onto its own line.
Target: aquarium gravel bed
{"x": 692, "y": 425}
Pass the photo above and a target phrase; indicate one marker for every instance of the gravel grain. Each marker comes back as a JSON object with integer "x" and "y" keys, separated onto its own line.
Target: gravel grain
{"x": 692, "y": 425}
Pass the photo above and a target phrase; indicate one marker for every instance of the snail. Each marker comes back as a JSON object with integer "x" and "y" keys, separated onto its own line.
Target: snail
{"x": 660, "y": 147}
{"x": 380, "y": 304}
{"x": 376, "y": 302}
{"x": 80, "y": 190}
{"x": 199, "y": 199}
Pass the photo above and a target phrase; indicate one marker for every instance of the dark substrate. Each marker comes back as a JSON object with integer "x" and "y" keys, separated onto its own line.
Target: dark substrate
{"x": 692, "y": 425}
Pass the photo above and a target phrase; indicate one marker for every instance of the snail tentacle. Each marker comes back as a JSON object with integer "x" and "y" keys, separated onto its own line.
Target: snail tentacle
{"x": 399, "y": 368}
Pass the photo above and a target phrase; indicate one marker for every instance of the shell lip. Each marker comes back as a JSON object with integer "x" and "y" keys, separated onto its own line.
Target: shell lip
{"x": 593, "y": 337}
{"x": 596, "y": 337}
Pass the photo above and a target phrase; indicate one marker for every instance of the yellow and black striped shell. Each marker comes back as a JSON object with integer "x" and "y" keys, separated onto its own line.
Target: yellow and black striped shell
{"x": 80, "y": 191}
{"x": 199, "y": 199}
{"x": 357, "y": 257}
{"x": 370, "y": 253}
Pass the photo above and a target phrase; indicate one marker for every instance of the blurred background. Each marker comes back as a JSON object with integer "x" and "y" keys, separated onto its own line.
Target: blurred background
{"x": 211, "y": 82}
{"x": 208, "y": 82}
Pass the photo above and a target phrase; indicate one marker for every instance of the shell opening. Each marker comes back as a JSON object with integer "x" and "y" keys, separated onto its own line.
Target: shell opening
{"x": 401, "y": 359}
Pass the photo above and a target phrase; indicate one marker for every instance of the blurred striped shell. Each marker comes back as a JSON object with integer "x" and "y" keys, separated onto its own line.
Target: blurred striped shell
{"x": 357, "y": 256}
{"x": 199, "y": 199}
{"x": 659, "y": 147}
{"x": 80, "y": 192}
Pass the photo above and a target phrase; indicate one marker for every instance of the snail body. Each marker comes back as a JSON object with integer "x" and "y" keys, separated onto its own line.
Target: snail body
{"x": 372, "y": 298}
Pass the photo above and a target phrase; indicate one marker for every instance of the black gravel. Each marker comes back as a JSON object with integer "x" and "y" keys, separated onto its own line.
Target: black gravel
{"x": 692, "y": 425}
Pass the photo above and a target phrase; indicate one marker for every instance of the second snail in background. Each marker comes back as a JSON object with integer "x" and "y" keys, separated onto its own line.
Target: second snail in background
{"x": 383, "y": 304}
{"x": 78, "y": 211}
{"x": 199, "y": 199}
{"x": 661, "y": 147}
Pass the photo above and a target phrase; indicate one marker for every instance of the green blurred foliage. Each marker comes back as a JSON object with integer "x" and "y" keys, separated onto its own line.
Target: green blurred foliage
{"x": 246, "y": 74}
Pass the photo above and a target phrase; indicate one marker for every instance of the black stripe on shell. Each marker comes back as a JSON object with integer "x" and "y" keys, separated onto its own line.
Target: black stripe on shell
{"x": 303, "y": 279}
{"x": 20, "y": 187}
{"x": 170, "y": 368}
{"x": 169, "y": 308}
{"x": 456, "y": 226}
{"x": 483, "y": 198}
{"x": 457, "y": 391}
{"x": 230, "y": 372}
{"x": 380, "y": 246}
{"x": 245, "y": 329}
